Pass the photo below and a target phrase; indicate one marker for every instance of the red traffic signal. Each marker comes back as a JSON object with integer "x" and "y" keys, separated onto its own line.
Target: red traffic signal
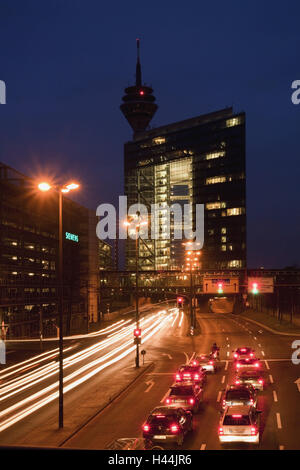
{"x": 179, "y": 301}
{"x": 137, "y": 332}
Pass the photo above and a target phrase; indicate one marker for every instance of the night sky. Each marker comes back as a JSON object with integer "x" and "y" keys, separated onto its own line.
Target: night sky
{"x": 66, "y": 63}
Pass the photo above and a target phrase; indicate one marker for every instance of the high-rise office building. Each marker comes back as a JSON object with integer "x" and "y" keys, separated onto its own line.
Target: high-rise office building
{"x": 197, "y": 161}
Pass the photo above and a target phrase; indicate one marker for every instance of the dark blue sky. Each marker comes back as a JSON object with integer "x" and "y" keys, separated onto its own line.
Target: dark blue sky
{"x": 66, "y": 63}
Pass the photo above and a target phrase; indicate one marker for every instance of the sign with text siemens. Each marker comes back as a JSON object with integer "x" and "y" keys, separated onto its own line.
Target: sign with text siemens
{"x": 72, "y": 237}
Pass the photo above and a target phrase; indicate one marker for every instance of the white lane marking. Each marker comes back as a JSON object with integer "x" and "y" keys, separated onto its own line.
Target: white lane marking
{"x": 260, "y": 331}
{"x": 255, "y": 337}
{"x": 279, "y": 425}
{"x": 228, "y": 345}
{"x": 227, "y": 339}
{"x": 297, "y": 382}
{"x": 169, "y": 355}
{"x": 181, "y": 319}
{"x": 219, "y": 396}
{"x": 203, "y": 447}
{"x": 186, "y": 357}
{"x": 263, "y": 353}
{"x": 164, "y": 397}
{"x": 226, "y": 365}
{"x": 275, "y": 396}
{"x": 150, "y": 384}
{"x": 267, "y": 365}
{"x": 223, "y": 379}
{"x": 259, "y": 345}
{"x": 281, "y": 447}
{"x": 271, "y": 379}
{"x": 227, "y": 354}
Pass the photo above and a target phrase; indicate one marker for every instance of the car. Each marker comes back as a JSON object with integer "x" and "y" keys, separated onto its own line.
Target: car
{"x": 243, "y": 353}
{"x": 168, "y": 424}
{"x": 236, "y": 395}
{"x": 206, "y": 361}
{"x": 252, "y": 377}
{"x": 240, "y": 424}
{"x": 191, "y": 373}
{"x": 185, "y": 395}
{"x": 248, "y": 363}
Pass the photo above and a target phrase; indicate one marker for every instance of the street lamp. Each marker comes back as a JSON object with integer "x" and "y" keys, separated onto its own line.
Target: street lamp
{"x": 44, "y": 186}
{"x": 138, "y": 223}
{"x": 192, "y": 263}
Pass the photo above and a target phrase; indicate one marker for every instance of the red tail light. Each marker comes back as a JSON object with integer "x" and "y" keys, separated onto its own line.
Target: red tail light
{"x": 261, "y": 381}
{"x": 237, "y": 382}
{"x": 238, "y": 365}
{"x": 224, "y": 402}
{"x": 251, "y": 354}
{"x": 256, "y": 364}
{"x": 235, "y": 355}
{"x": 146, "y": 428}
{"x": 191, "y": 401}
{"x": 168, "y": 400}
{"x": 196, "y": 376}
{"x": 210, "y": 362}
{"x": 253, "y": 431}
{"x": 251, "y": 402}
{"x": 195, "y": 363}
{"x": 174, "y": 428}
{"x": 220, "y": 431}
{"x": 236, "y": 416}
{"x": 177, "y": 377}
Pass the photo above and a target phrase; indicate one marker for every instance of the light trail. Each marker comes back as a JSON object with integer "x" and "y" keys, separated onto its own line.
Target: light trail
{"x": 149, "y": 332}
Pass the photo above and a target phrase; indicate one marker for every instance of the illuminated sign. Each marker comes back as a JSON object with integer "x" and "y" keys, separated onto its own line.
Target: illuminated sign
{"x": 72, "y": 236}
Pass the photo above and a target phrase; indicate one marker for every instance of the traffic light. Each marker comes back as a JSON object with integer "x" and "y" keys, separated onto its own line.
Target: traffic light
{"x": 220, "y": 287}
{"x": 137, "y": 332}
{"x": 254, "y": 288}
{"x": 179, "y": 301}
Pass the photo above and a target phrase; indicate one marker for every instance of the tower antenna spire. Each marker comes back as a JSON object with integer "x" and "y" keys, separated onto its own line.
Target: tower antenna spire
{"x": 138, "y": 75}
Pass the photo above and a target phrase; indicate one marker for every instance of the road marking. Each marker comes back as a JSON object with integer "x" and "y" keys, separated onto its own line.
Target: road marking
{"x": 219, "y": 396}
{"x": 271, "y": 379}
{"x": 223, "y": 379}
{"x": 275, "y": 396}
{"x": 260, "y": 331}
{"x": 180, "y": 323}
{"x": 267, "y": 365}
{"x": 187, "y": 358}
{"x": 281, "y": 447}
{"x": 263, "y": 353}
{"x": 164, "y": 397}
{"x": 259, "y": 345}
{"x": 227, "y": 354}
{"x": 255, "y": 337}
{"x": 226, "y": 365}
{"x": 278, "y": 421}
{"x": 298, "y": 383}
{"x": 228, "y": 345}
{"x": 150, "y": 384}
{"x": 203, "y": 447}
{"x": 227, "y": 339}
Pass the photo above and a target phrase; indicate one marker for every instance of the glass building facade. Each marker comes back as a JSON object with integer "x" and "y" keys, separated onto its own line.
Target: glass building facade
{"x": 196, "y": 161}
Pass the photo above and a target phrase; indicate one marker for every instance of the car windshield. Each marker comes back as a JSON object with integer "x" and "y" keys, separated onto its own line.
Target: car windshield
{"x": 236, "y": 420}
{"x": 237, "y": 395}
{"x": 250, "y": 375}
{"x": 248, "y": 361}
{"x": 181, "y": 391}
{"x": 161, "y": 420}
{"x": 203, "y": 358}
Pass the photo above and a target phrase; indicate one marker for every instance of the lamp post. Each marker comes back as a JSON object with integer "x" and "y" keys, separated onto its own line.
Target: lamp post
{"x": 61, "y": 189}
{"x": 138, "y": 223}
{"x": 192, "y": 263}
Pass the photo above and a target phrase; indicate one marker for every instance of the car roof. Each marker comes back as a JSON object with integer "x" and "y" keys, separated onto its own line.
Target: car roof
{"x": 163, "y": 410}
{"x": 238, "y": 410}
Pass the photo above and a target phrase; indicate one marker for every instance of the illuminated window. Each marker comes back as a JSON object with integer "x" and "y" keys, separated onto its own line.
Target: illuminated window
{"x": 233, "y": 122}
{"x": 215, "y": 205}
{"x": 230, "y": 247}
{"x": 235, "y": 263}
{"x": 223, "y": 230}
{"x": 216, "y": 179}
{"x": 236, "y": 211}
{"x": 159, "y": 140}
{"x": 223, "y": 239}
{"x": 223, "y": 247}
{"x": 213, "y": 155}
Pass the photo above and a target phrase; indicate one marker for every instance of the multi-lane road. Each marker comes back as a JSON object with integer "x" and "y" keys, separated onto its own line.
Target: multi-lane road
{"x": 28, "y": 395}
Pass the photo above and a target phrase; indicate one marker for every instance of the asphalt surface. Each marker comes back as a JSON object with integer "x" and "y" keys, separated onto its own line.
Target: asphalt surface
{"x": 168, "y": 347}
{"x": 279, "y": 402}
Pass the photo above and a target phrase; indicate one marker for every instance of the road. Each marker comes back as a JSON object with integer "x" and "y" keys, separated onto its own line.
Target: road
{"x": 279, "y": 402}
{"x": 29, "y": 389}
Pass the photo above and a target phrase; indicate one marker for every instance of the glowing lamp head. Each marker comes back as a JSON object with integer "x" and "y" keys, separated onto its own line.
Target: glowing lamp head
{"x": 44, "y": 186}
